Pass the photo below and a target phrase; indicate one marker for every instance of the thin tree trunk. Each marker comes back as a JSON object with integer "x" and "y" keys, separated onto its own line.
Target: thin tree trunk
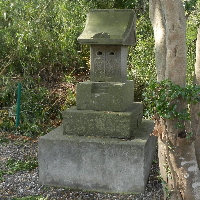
{"x": 195, "y": 109}
{"x": 175, "y": 24}
{"x": 158, "y": 23}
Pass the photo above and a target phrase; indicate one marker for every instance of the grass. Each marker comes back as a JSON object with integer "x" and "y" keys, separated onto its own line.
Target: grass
{"x": 17, "y": 165}
{"x": 13, "y": 166}
{"x": 30, "y": 198}
{"x": 3, "y": 139}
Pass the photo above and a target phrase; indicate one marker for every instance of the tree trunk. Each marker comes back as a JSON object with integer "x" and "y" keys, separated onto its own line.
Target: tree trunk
{"x": 195, "y": 109}
{"x": 158, "y": 23}
{"x": 177, "y": 155}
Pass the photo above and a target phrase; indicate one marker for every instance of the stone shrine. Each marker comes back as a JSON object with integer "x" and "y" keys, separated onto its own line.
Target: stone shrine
{"x": 103, "y": 144}
{"x": 104, "y": 105}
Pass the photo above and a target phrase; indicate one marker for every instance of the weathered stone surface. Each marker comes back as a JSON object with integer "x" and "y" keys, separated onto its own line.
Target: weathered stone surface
{"x": 102, "y": 123}
{"x": 97, "y": 164}
{"x": 108, "y": 63}
{"x": 114, "y": 26}
{"x": 105, "y": 96}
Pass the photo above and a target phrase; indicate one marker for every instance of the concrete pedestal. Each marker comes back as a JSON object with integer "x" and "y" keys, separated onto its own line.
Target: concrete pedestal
{"x": 97, "y": 164}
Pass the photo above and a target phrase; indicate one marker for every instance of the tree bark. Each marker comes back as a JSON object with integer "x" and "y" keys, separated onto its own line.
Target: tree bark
{"x": 177, "y": 155}
{"x": 175, "y": 25}
{"x": 158, "y": 23}
{"x": 195, "y": 109}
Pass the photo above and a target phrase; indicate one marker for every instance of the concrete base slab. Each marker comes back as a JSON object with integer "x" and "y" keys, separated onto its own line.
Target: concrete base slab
{"x": 97, "y": 164}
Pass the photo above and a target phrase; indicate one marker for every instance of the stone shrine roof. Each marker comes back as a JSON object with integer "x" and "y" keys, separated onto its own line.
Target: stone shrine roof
{"x": 109, "y": 26}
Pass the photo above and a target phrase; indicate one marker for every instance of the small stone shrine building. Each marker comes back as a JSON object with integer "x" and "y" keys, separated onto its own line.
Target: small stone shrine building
{"x": 109, "y": 32}
{"x": 103, "y": 144}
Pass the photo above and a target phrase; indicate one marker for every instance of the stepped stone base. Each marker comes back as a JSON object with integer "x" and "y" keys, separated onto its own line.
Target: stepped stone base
{"x": 97, "y": 164}
{"x": 103, "y": 123}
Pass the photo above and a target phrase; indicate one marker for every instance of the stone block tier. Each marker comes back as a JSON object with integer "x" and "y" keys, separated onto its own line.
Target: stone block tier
{"x": 105, "y": 96}
{"x": 102, "y": 123}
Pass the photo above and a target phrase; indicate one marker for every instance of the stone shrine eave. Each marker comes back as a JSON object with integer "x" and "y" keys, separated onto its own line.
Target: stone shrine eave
{"x": 110, "y": 27}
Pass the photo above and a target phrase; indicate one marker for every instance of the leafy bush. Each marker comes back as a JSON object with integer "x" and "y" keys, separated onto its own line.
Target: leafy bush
{"x": 193, "y": 22}
{"x": 163, "y": 99}
{"x": 141, "y": 58}
{"x": 40, "y": 37}
{"x": 40, "y": 107}
{"x": 8, "y": 87}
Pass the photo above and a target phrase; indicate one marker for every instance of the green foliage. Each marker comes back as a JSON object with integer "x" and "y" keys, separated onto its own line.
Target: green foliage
{"x": 13, "y": 165}
{"x": 165, "y": 186}
{"x": 141, "y": 59}
{"x": 3, "y": 139}
{"x": 40, "y": 37}
{"x": 190, "y": 136}
{"x": 6, "y": 121}
{"x": 35, "y": 110}
{"x": 17, "y": 165}
{"x": 30, "y": 198}
{"x": 140, "y": 6}
{"x": 193, "y": 22}
{"x": 164, "y": 97}
{"x": 190, "y": 5}
{"x": 7, "y": 91}
{"x": 39, "y": 106}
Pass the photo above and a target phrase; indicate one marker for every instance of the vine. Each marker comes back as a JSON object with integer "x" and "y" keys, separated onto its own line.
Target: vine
{"x": 163, "y": 99}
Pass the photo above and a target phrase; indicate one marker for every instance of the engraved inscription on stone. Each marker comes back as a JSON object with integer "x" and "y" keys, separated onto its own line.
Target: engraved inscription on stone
{"x": 99, "y": 88}
{"x": 112, "y": 63}
{"x": 106, "y": 63}
{"x": 99, "y": 67}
